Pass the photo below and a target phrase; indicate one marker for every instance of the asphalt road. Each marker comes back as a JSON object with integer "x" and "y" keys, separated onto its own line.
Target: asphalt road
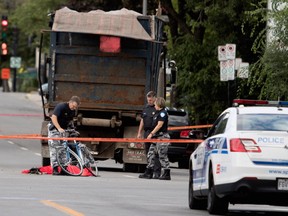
{"x": 113, "y": 193}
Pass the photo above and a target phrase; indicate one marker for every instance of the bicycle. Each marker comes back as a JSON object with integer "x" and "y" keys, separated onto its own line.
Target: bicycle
{"x": 74, "y": 156}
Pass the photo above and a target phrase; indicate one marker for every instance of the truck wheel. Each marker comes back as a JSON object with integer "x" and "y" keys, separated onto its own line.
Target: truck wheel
{"x": 183, "y": 163}
{"x": 141, "y": 168}
{"x": 45, "y": 161}
{"x": 128, "y": 167}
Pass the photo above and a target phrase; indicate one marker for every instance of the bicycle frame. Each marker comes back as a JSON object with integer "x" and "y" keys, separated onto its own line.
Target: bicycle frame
{"x": 68, "y": 159}
{"x": 76, "y": 148}
{"x": 76, "y": 155}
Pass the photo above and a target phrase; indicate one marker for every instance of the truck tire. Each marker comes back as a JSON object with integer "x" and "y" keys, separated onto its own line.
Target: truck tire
{"x": 183, "y": 163}
{"x": 128, "y": 167}
{"x": 45, "y": 161}
{"x": 141, "y": 168}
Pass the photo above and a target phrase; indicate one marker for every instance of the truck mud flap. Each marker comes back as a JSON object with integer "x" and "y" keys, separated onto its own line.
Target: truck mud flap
{"x": 134, "y": 156}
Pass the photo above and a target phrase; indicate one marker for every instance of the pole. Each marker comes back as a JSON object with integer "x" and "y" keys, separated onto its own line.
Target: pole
{"x": 15, "y": 48}
{"x": 144, "y": 9}
{"x": 164, "y": 68}
{"x": 14, "y": 79}
{"x": 228, "y": 99}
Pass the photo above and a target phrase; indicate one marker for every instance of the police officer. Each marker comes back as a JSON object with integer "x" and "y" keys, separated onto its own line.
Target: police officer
{"x": 61, "y": 118}
{"x": 160, "y": 131}
{"x": 146, "y": 125}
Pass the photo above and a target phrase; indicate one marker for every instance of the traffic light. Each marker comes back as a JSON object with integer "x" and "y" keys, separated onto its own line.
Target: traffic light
{"x": 4, "y": 28}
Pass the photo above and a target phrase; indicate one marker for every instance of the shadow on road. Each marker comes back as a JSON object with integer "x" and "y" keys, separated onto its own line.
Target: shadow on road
{"x": 264, "y": 213}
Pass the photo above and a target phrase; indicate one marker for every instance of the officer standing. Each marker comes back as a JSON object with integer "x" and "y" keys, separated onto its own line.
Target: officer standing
{"x": 160, "y": 131}
{"x": 146, "y": 125}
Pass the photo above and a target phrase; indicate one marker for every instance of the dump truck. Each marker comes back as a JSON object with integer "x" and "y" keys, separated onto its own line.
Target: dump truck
{"x": 110, "y": 60}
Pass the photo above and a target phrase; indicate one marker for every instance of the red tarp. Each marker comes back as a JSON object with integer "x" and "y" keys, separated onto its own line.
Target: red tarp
{"x": 48, "y": 170}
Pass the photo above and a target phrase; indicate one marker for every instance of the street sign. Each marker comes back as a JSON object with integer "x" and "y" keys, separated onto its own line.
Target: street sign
{"x": 231, "y": 69}
{"x": 227, "y": 70}
{"x": 5, "y": 73}
{"x": 230, "y": 51}
{"x": 15, "y": 62}
{"x": 237, "y": 63}
{"x": 243, "y": 71}
{"x": 223, "y": 71}
{"x": 222, "y": 53}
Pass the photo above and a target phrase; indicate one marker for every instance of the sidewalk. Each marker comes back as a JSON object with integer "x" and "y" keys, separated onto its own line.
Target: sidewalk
{"x": 34, "y": 97}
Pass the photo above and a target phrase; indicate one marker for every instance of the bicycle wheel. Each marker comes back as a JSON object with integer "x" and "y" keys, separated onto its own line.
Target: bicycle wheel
{"x": 92, "y": 168}
{"x": 88, "y": 160}
{"x": 69, "y": 161}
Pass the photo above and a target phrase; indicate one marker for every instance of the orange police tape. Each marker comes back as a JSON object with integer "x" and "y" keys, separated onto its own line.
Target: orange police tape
{"x": 189, "y": 127}
{"x": 36, "y": 136}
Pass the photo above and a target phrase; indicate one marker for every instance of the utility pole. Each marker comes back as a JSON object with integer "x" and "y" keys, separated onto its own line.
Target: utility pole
{"x": 144, "y": 10}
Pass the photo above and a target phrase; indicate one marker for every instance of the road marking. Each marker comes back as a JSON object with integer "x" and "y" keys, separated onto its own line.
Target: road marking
{"x": 29, "y": 115}
{"x": 61, "y": 208}
{"x": 129, "y": 176}
{"x": 23, "y": 148}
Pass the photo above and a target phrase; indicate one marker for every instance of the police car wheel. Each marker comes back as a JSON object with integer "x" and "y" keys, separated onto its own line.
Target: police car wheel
{"x": 216, "y": 205}
{"x": 200, "y": 204}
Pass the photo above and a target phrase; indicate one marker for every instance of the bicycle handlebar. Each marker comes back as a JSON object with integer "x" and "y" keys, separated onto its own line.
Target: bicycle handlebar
{"x": 70, "y": 133}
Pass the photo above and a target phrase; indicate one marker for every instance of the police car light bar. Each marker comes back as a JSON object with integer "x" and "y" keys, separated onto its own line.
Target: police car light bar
{"x": 283, "y": 103}
{"x": 249, "y": 102}
{"x": 237, "y": 102}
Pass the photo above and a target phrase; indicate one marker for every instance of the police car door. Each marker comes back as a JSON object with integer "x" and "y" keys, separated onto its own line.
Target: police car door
{"x": 214, "y": 144}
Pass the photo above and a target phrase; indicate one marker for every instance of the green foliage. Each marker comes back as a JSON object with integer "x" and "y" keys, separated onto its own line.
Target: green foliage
{"x": 32, "y": 16}
{"x": 212, "y": 23}
{"x": 198, "y": 79}
{"x": 269, "y": 72}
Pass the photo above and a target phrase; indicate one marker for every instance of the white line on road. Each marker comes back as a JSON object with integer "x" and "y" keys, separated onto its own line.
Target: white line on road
{"x": 129, "y": 176}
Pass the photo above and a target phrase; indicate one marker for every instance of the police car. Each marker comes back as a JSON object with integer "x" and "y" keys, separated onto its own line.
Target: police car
{"x": 244, "y": 158}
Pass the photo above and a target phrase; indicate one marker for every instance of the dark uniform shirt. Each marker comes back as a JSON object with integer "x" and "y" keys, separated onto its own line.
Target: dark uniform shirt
{"x": 147, "y": 116}
{"x": 161, "y": 115}
{"x": 64, "y": 114}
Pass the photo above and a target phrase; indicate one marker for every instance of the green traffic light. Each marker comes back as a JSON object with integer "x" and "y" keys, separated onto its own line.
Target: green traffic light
{"x": 4, "y": 36}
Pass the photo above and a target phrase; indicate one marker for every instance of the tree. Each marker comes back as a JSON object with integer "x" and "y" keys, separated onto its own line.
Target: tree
{"x": 31, "y": 16}
{"x": 270, "y": 72}
{"x": 196, "y": 29}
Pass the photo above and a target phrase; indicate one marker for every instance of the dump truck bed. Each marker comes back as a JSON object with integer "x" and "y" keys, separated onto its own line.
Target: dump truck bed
{"x": 113, "y": 80}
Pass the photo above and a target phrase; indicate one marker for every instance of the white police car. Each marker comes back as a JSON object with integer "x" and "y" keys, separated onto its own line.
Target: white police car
{"x": 243, "y": 160}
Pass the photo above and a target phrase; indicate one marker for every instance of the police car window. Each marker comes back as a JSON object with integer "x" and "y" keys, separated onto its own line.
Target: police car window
{"x": 260, "y": 122}
{"x": 219, "y": 125}
{"x": 222, "y": 124}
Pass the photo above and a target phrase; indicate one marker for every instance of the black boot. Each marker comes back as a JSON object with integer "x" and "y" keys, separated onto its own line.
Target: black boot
{"x": 165, "y": 175}
{"x": 147, "y": 174}
{"x": 55, "y": 171}
{"x": 156, "y": 175}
